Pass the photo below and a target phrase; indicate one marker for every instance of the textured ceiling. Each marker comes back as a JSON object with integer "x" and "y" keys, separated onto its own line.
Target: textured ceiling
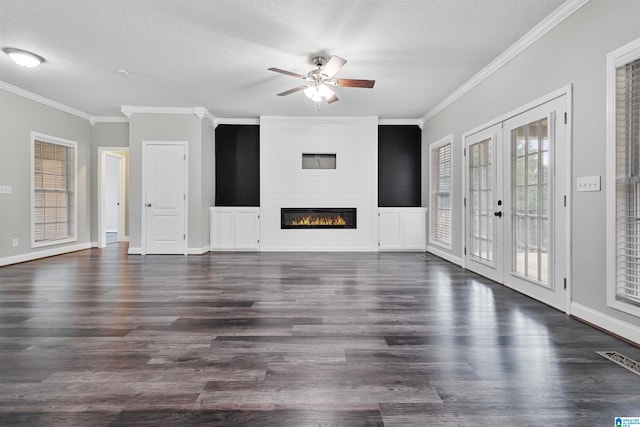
{"x": 215, "y": 53}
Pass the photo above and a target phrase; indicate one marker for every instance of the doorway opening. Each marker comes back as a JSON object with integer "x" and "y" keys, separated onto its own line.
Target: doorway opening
{"x": 113, "y": 187}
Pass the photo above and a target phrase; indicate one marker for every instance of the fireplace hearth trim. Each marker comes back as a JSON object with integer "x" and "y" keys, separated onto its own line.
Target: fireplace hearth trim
{"x": 348, "y": 214}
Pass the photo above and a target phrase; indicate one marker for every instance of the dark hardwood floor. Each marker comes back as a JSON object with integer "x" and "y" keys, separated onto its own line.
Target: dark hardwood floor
{"x": 100, "y": 338}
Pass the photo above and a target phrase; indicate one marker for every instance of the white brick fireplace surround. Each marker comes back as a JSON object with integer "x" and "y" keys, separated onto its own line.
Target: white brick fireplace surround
{"x": 353, "y": 183}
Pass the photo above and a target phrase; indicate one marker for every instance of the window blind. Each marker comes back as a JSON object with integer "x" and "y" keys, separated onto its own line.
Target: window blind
{"x": 441, "y": 194}
{"x": 54, "y": 184}
{"x": 628, "y": 182}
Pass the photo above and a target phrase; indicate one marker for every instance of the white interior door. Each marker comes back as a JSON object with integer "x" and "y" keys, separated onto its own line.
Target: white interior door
{"x": 515, "y": 214}
{"x": 535, "y": 211}
{"x": 483, "y": 203}
{"x": 164, "y": 198}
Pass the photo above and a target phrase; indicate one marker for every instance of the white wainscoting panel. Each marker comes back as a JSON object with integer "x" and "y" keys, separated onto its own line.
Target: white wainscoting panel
{"x": 403, "y": 229}
{"x": 235, "y": 229}
{"x": 389, "y": 230}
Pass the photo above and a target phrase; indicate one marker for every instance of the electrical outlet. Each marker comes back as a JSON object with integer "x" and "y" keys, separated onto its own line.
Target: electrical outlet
{"x": 6, "y": 189}
{"x": 15, "y": 243}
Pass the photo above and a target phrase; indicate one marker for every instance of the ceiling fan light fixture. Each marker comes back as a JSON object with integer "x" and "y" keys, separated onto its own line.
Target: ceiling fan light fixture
{"x": 324, "y": 91}
{"x": 23, "y": 58}
{"x": 313, "y": 93}
{"x": 318, "y": 92}
{"x": 309, "y": 91}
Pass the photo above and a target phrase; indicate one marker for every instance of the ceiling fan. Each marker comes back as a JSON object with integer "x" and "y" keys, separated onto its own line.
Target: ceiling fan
{"x": 318, "y": 80}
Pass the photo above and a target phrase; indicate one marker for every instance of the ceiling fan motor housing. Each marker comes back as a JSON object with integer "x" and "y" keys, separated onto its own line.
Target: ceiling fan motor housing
{"x": 319, "y": 61}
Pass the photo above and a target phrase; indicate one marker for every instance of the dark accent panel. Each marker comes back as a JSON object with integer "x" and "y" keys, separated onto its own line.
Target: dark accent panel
{"x": 238, "y": 165}
{"x": 399, "y": 166}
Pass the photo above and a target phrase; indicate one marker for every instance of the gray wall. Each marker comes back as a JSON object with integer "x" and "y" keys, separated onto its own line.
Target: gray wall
{"x": 208, "y": 180}
{"x": 20, "y": 116}
{"x": 572, "y": 53}
{"x": 107, "y": 135}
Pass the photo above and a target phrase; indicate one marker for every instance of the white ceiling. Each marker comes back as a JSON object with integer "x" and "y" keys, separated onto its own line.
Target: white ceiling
{"x": 215, "y": 53}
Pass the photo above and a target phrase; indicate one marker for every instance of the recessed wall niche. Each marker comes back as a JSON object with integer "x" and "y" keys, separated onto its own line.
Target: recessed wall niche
{"x": 237, "y": 165}
{"x": 399, "y": 166}
{"x": 318, "y": 161}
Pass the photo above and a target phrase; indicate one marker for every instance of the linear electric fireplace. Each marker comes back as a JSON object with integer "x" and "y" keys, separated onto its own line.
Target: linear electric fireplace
{"x": 318, "y": 218}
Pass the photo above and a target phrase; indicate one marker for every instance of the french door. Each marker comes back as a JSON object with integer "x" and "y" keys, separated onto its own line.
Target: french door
{"x": 484, "y": 250}
{"x": 515, "y": 202}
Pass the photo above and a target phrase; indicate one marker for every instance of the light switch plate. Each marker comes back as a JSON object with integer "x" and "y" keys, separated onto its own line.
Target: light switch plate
{"x": 6, "y": 189}
{"x": 588, "y": 183}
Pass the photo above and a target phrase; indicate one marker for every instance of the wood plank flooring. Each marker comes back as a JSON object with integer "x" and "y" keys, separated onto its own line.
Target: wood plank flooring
{"x": 100, "y": 338}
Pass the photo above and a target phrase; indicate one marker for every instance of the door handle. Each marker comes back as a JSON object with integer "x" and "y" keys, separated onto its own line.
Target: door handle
{"x": 498, "y": 214}
{"x": 148, "y": 205}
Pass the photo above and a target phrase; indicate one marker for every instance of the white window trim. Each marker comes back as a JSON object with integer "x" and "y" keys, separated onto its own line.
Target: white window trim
{"x": 625, "y": 54}
{"x": 60, "y": 141}
{"x": 434, "y": 146}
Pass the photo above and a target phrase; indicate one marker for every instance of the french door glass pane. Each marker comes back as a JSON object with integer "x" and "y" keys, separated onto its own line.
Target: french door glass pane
{"x": 530, "y": 201}
{"x": 480, "y": 201}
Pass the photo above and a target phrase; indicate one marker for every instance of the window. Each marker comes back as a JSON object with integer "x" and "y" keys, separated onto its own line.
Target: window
{"x": 440, "y": 211}
{"x": 623, "y": 183}
{"x": 53, "y": 177}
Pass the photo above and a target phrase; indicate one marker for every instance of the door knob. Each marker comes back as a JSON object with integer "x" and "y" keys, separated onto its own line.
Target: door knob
{"x": 148, "y": 205}
{"x": 498, "y": 214}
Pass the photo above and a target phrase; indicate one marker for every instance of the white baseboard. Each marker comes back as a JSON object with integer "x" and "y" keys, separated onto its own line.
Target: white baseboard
{"x": 94, "y": 245}
{"x": 312, "y": 249}
{"x": 190, "y": 251}
{"x": 604, "y": 321}
{"x": 126, "y": 239}
{"x": 30, "y": 256}
{"x": 234, "y": 250}
{"x": 198, "y": 251}
{"x": 445, "y": 255}
{"x": 402, "y": 249}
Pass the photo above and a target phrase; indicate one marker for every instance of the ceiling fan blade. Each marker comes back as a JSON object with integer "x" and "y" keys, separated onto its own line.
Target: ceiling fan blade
{"x": 332, "y": 66}
{"x": 290, "y": 91}
{"x": 288, "y": 73}
{"x": 355, "y": 83}
{"x": 331, "y": 99}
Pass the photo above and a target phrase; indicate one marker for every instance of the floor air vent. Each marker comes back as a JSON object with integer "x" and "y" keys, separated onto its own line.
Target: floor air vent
{"x": 622, "y": 360}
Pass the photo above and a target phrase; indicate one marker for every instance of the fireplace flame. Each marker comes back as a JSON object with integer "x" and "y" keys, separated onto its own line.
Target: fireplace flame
{"x": 327, "y": 220}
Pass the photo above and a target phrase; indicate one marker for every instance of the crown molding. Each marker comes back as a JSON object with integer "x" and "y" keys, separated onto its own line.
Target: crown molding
{"x": 130, "y": 110}
{"x": 237, "y": 121}
{"x": 42, "y": 100}
{"x": 401, "y": 122}
{"x": 567, "y": 9}
{"x": 107, "y": 119}
{"x": 203, "y": 113}
{"x": 200, "y": 112}
{"x": 295, "y": 121}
